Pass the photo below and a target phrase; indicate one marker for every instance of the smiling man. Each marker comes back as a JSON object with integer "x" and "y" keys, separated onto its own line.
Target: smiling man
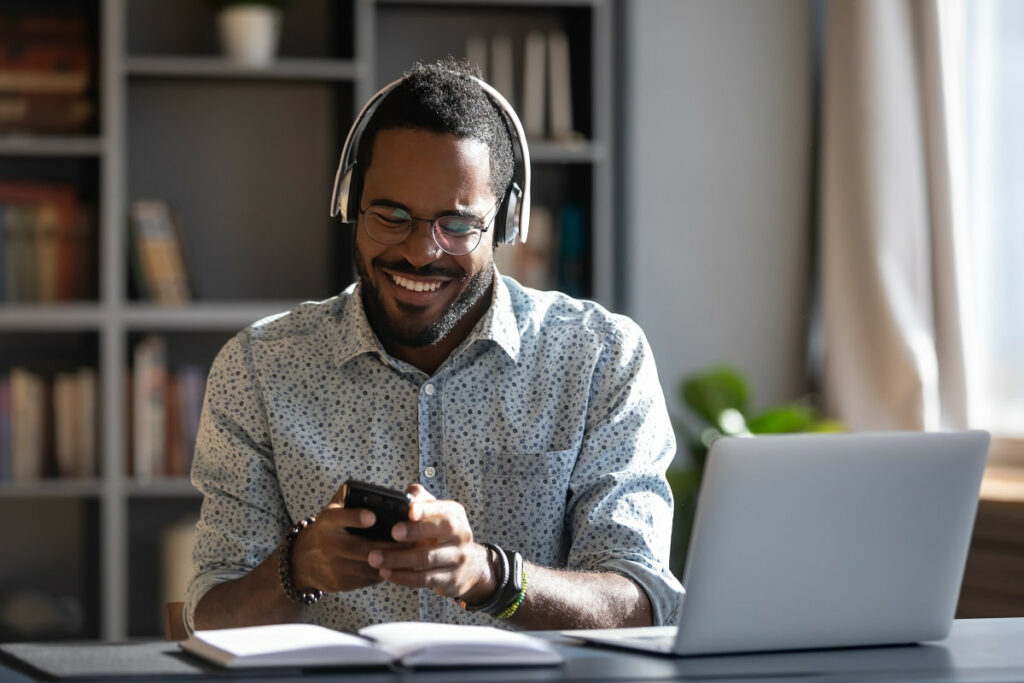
{"x": 528, "y": 427}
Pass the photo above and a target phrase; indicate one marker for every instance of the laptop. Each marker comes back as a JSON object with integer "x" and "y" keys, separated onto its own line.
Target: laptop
{"x": 810, "y": 541}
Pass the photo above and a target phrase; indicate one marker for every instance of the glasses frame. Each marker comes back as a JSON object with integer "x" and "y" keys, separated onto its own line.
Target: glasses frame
{"x": 434, "y": 226}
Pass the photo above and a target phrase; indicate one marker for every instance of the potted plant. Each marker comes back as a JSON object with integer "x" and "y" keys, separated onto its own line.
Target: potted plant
{"x": 249, "y": 30}
{"x": 719, "y": 400}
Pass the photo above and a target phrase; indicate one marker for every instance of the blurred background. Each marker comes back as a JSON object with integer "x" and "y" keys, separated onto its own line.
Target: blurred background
{"x": 811, "y": 208}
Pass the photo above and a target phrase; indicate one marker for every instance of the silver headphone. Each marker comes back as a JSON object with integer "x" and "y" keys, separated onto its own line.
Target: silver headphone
{"x": 513, "y": 218}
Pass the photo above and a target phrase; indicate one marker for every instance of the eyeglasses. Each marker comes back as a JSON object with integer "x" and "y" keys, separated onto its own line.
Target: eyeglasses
{"x": 455, "y": 234}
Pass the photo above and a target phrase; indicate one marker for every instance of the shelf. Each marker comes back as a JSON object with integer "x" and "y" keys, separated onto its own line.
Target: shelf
{"x": 50, "y": 488}
{"x": 219, "y": 68}
{"x": 57, "y": 146}
{"x": 162, "y": 488}
{"x": 202, "y": 316}
{"x": 62, "y": 317}
{"x": 581, "y": 152}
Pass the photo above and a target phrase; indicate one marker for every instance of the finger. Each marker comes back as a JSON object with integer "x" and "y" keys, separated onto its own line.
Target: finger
{"x": 339, "y": 495}
{"x": 422, "y": 509}
{"x": 418, "y": 558}
{"x": 433, "y": 528}
{"x": 418, "y": 492}
{"x": 337, "y": 516}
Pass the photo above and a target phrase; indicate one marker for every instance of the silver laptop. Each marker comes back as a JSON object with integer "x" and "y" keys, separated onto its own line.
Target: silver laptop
{"x": 823, "y": 540}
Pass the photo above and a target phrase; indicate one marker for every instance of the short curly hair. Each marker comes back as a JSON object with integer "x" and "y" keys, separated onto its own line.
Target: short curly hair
{"x": 443, "y": 98}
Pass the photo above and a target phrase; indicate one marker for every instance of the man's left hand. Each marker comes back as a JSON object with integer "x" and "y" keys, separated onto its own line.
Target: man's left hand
{"x": 445, "y": 558}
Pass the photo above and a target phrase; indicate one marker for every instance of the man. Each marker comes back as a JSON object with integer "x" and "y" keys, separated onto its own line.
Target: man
{"x": 520, "y": 421}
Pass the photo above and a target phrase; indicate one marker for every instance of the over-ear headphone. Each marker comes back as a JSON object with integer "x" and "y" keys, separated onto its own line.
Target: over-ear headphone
{"x": 513, "y": 217}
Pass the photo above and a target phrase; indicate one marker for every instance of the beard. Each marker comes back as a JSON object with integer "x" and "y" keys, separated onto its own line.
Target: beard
{"x": 407, "y": 331}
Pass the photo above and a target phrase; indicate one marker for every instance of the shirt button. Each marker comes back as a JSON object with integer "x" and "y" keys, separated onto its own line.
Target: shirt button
{"x": 429, "y": 472}
{"x": 429, "y": 389}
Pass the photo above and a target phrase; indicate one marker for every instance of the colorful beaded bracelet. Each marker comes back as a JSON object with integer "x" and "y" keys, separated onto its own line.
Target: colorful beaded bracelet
{"x": 511, "y": 609}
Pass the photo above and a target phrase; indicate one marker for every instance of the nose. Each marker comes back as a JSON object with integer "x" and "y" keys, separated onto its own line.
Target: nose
{"x": 419, "y": 247}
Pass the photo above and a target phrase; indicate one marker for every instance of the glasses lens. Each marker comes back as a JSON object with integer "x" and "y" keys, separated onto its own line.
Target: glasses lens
{"x": 386, "y": 224}
{"x": 457, "y": 234}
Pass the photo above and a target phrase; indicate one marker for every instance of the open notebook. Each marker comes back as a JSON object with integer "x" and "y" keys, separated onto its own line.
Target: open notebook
{"x": 411, "y": 644}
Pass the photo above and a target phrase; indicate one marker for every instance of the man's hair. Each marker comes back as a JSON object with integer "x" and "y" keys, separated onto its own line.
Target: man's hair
{"x": 443, "y": 98}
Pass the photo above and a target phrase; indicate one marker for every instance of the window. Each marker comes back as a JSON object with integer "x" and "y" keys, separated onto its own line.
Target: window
{"x": 991, "y": 33}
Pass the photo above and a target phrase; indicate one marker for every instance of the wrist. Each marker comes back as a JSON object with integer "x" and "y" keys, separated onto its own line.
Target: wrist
{"x": 487, "y": 583}
{"x": 305, "y": 595}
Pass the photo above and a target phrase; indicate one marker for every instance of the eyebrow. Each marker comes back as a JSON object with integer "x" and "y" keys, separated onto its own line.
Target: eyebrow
{"x": 464, "y": 213}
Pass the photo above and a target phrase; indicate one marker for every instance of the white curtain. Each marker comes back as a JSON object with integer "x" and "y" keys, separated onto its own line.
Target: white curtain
{"x": 891, "y": 214}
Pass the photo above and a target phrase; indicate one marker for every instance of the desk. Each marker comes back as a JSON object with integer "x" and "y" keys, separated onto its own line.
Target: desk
{"x": 977, "y": 650}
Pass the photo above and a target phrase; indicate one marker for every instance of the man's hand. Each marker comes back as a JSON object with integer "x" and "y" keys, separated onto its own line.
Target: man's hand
{"x": 437, "y": 551}
{"x": 327, "y": 557}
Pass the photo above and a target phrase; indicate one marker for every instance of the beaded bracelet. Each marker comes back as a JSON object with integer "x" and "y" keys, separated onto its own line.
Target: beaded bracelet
{"x": 284, "y": 566}
{"x": 511, "y": 609}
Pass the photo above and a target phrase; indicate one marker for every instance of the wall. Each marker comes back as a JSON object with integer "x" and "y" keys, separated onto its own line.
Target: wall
{"x": 717, "y": 155}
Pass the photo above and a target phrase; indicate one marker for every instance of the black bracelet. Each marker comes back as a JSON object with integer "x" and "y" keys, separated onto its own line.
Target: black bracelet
{"x": 510, "y": 592}
{"x": 284, "y": 566}
{"x": 490, "y": 602}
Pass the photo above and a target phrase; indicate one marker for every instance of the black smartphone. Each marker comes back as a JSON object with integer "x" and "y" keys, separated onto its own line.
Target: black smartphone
{"x": 389, "y": 505}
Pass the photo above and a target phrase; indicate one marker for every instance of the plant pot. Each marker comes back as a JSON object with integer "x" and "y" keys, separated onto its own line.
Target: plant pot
{"x": 249, "y": 33}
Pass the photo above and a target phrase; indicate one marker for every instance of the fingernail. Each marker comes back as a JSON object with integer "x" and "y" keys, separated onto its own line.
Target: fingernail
{"x": 375, "y": 558}
{"x": 367, "y": 517}
{"x": 398, "y": 532}
{"x": 385, "y": 573}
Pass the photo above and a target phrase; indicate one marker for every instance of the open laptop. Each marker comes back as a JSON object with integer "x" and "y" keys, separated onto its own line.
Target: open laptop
{"x": 823, "y": 540}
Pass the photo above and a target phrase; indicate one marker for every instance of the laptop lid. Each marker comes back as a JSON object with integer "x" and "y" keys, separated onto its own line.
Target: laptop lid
{"x": 829, "y": 540}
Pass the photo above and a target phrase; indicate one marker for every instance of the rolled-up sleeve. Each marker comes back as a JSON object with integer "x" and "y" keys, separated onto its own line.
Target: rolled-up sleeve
{"x": 620, "y": 511}
{"x": 243, "y": 516}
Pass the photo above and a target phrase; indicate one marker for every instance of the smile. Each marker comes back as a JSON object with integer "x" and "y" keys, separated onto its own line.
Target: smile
{"x": 416, "y": 285}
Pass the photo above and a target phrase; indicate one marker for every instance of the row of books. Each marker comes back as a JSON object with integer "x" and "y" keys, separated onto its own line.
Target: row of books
{"x": 165, "y": 406}
{"x": 556, "y": 254}
{"x": 545, "y": 100}
{"x": 47, "y": 244}
{"x": 47, "y": 62}
{"x": 48, "y": 425}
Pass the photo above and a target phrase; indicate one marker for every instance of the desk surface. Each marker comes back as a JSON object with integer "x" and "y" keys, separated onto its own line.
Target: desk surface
{"x": 977, "y": 650}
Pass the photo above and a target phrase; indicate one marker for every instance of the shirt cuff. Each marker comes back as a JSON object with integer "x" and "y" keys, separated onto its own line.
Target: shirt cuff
{"x": 199, "y": 586}
{"x": 662, "y": 588}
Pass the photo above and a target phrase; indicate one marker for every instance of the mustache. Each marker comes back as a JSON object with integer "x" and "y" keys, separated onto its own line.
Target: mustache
{"x": 430, "y": 270}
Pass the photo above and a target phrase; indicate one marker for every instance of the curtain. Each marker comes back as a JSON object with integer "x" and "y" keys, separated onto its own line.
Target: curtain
{"x": 890, "y": 216}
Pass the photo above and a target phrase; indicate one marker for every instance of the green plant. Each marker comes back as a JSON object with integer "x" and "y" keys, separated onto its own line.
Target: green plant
{"x": 719, "y": 399}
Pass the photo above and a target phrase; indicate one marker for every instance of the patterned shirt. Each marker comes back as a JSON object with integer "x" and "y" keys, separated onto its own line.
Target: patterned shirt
{"x": 547, "y": 424}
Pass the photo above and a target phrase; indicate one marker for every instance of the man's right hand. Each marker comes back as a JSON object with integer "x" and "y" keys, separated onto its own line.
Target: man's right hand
{"x": 327, "y": 557}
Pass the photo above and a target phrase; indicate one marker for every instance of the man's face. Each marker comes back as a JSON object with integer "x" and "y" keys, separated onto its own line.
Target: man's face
{"x": 427, "y": 174}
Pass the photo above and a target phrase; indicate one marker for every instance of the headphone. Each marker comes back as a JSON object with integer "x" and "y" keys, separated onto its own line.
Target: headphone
{"x": 513, "y": 217}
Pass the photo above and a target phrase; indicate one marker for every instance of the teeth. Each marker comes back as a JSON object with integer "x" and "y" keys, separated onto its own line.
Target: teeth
{"x": 415, "y": 285}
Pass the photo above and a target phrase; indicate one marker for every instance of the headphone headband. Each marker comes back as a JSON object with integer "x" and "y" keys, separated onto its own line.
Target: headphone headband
{"x": 513, "y": 217}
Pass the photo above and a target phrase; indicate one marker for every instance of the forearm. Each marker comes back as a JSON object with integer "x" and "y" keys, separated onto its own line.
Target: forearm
{"x": 256, "y": 598}
{"x": 557, "y": 599}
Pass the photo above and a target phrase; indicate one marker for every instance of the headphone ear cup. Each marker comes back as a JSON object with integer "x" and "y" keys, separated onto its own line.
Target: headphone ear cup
{"x": 350, "y": 199}
{"x": 507, "y": 221}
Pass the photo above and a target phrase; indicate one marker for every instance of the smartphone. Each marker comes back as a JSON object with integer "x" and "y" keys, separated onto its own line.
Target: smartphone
{"x": 389, "y": 505}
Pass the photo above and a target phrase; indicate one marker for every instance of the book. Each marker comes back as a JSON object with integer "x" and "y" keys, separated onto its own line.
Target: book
{"x": 42, "y": 250}
{"x": 534, "y": 59}
{"x": 149, "y": 407}
{"x": 559, "y": 88}
{"x": 5, "y": 427}
{"x": 156, "y": 254}
{"x": 502, "y": 69}
{"x": 532, "y": 263}
{"x": 476, "y": 53}
{"x": 411, "y": 644}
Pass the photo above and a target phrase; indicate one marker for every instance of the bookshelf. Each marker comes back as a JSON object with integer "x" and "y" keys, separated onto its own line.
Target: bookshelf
{"x": 245, "y": 157}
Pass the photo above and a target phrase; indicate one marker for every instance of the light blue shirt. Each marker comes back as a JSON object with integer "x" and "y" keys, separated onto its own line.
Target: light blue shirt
{"x": 547, "y": 424}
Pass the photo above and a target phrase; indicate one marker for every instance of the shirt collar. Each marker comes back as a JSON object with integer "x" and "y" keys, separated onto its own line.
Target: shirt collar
{"x": 356, "y": 337}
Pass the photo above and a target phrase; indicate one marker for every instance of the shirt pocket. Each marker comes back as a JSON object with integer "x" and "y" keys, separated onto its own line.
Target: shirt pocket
{"x": 526, "y": 498}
